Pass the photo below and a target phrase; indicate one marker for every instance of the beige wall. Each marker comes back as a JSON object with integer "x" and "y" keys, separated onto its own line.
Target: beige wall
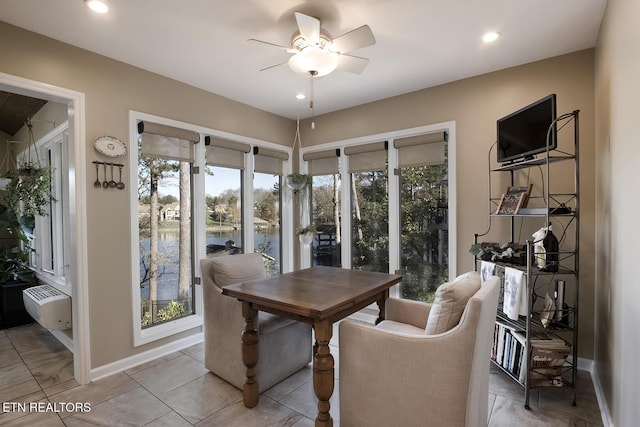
{"x": 617, "y": 342}
{"x": 475, "y": 104}
{"x": 112, "y": 89}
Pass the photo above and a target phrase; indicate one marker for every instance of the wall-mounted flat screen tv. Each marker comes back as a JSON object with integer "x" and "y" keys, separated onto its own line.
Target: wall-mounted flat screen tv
{"x": 523, "y": 134}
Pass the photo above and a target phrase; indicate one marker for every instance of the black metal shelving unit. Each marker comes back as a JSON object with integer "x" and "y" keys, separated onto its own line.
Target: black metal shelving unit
{"x": 566, "y": 327}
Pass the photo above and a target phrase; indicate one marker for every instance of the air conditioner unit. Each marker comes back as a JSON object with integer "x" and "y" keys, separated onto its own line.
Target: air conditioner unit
{"x": 48, "y": 306}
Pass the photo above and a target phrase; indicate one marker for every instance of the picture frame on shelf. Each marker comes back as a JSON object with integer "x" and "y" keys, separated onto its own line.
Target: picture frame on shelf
{"x": 514, "y": 199}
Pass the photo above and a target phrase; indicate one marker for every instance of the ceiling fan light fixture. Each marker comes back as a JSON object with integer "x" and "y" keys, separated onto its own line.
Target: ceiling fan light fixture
{"x": 97, "y": 6}
{"x": 313, "y": 58}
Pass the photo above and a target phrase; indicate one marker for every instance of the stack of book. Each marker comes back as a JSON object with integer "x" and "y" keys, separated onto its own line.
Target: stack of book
{"x": 508, "y": 350}
{"x": 548, "y": 356}
{"x": 546, "y": 359}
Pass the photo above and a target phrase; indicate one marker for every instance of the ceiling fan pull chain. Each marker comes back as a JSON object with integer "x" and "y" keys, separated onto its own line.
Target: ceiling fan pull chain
{"x": 311, "y": 75}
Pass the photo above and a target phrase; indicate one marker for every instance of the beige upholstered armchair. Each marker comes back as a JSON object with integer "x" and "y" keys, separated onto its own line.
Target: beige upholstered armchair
{"x": 285, "y": 345}
{"x": 426, "y": 365}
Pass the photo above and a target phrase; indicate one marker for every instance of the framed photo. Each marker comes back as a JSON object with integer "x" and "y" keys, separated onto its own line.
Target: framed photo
{"x": 514, "y": 199}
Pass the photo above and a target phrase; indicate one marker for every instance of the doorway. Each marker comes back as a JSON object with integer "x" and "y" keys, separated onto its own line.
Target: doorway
{"x": 77, "y": 209}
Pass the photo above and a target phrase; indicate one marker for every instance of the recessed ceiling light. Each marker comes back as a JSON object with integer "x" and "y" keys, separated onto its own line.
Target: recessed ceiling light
{"x": 97, "y": 6}
{"x": 300, "y": 96}
{"x": 490, "y": 37}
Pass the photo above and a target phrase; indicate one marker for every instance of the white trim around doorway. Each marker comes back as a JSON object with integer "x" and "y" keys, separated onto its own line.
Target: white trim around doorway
{"x": 78, "y": 216}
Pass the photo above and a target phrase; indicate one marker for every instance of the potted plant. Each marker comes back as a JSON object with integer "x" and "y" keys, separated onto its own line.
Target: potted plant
{"x": 305, "y": 234}
{"x": 28, "y": 192}
{"x": 14, "y": 256}
{"x": 299, "y": 185}
{"x": 15, "y": 273}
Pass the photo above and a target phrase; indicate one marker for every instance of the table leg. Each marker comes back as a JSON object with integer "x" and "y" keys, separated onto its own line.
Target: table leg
{"x": 323, "y": 372}
{"x": 381, "y": 306}
{"x": 250, "y": 351}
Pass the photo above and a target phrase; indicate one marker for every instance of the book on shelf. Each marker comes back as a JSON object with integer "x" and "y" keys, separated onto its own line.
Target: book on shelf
{"x": 508, "y": 350}
{"x": 546, "y": 360}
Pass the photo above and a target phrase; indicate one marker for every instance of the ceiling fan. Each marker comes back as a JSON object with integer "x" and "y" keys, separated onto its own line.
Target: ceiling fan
{"x": 316, "y": 53}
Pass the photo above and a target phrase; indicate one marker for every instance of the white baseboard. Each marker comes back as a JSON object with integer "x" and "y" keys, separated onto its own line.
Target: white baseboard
{"x": 145, "y": 356}
{"x": 602, "y": 403}
{"x": 589, "y": 366}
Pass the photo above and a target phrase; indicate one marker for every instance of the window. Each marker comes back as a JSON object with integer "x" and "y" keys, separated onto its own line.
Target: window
{"x": 424, "y": 207}
{"x": 267, "y": 213}
{"x": 224, "y": 193}
{"x": 369, "y": 207}
{"x": 164, "y": 216}
{"x": 200, "y": 199}
{"x": 396, "y": 204}
{"x": 325, "y": 206}
{"x": 50, "y": 234}
{"x": 266, "y": 220}
{"x": 227, "y": 200}
{"x": 325, "y": 211}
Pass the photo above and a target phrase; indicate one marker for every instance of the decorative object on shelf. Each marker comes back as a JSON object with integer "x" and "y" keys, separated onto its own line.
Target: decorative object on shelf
{"x": 28, "y": 192}
{"x": 306, "y": 234}
{"x": 514, "y": 199}
{"x": 549, "y": 310}
{"x": 110, "y": 146}
{"x": 545, "y": 249}
{"x": 510, "y": 253}
{"x": 515, "y": 298}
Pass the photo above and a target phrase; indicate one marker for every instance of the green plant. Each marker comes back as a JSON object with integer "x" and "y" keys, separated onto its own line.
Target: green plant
{"x": 172, "y": 311}
{"x": 306, "y": 230}
{"x": 14, "y": 257}
{"x": 29, "y": 191}
{"x": 299, "y": 185}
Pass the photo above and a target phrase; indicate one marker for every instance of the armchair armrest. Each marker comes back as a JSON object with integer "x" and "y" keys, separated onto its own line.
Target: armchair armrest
{"x": 413, "y": 313}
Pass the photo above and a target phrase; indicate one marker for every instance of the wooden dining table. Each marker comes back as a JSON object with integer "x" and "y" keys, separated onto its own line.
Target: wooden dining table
{"x": 319, "y": 296}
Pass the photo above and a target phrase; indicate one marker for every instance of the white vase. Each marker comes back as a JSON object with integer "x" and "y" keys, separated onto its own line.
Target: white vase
{"x": 306, "y": 238}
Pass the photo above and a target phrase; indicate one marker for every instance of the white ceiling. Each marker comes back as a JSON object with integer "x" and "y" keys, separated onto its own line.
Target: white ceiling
{"x": 419, "y": 43}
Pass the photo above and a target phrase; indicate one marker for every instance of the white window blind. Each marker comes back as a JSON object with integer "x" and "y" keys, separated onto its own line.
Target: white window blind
{"x": 326, "y": 162}
{"x": 421, "y": 150}
{"x": 367, "y": 157}
{"x": 225, "y": 153}
{"x": 167, "y": 142}
{"x": 269, "y": 161}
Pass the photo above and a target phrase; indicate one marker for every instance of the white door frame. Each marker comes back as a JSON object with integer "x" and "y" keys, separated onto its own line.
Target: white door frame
{"x": 77, "y": 210}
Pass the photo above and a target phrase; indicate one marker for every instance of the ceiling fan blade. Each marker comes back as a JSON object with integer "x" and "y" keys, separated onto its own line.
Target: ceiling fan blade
{"x": 309, "y": 28}
{"x": 352, "y": 64}
{"x": 355, "y": 39}
{"x": 285, "y": 48}
{"x": 272, "y": 66}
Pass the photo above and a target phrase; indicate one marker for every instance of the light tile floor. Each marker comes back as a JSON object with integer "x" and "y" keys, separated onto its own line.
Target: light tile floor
{"x": 177, "y": 390}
